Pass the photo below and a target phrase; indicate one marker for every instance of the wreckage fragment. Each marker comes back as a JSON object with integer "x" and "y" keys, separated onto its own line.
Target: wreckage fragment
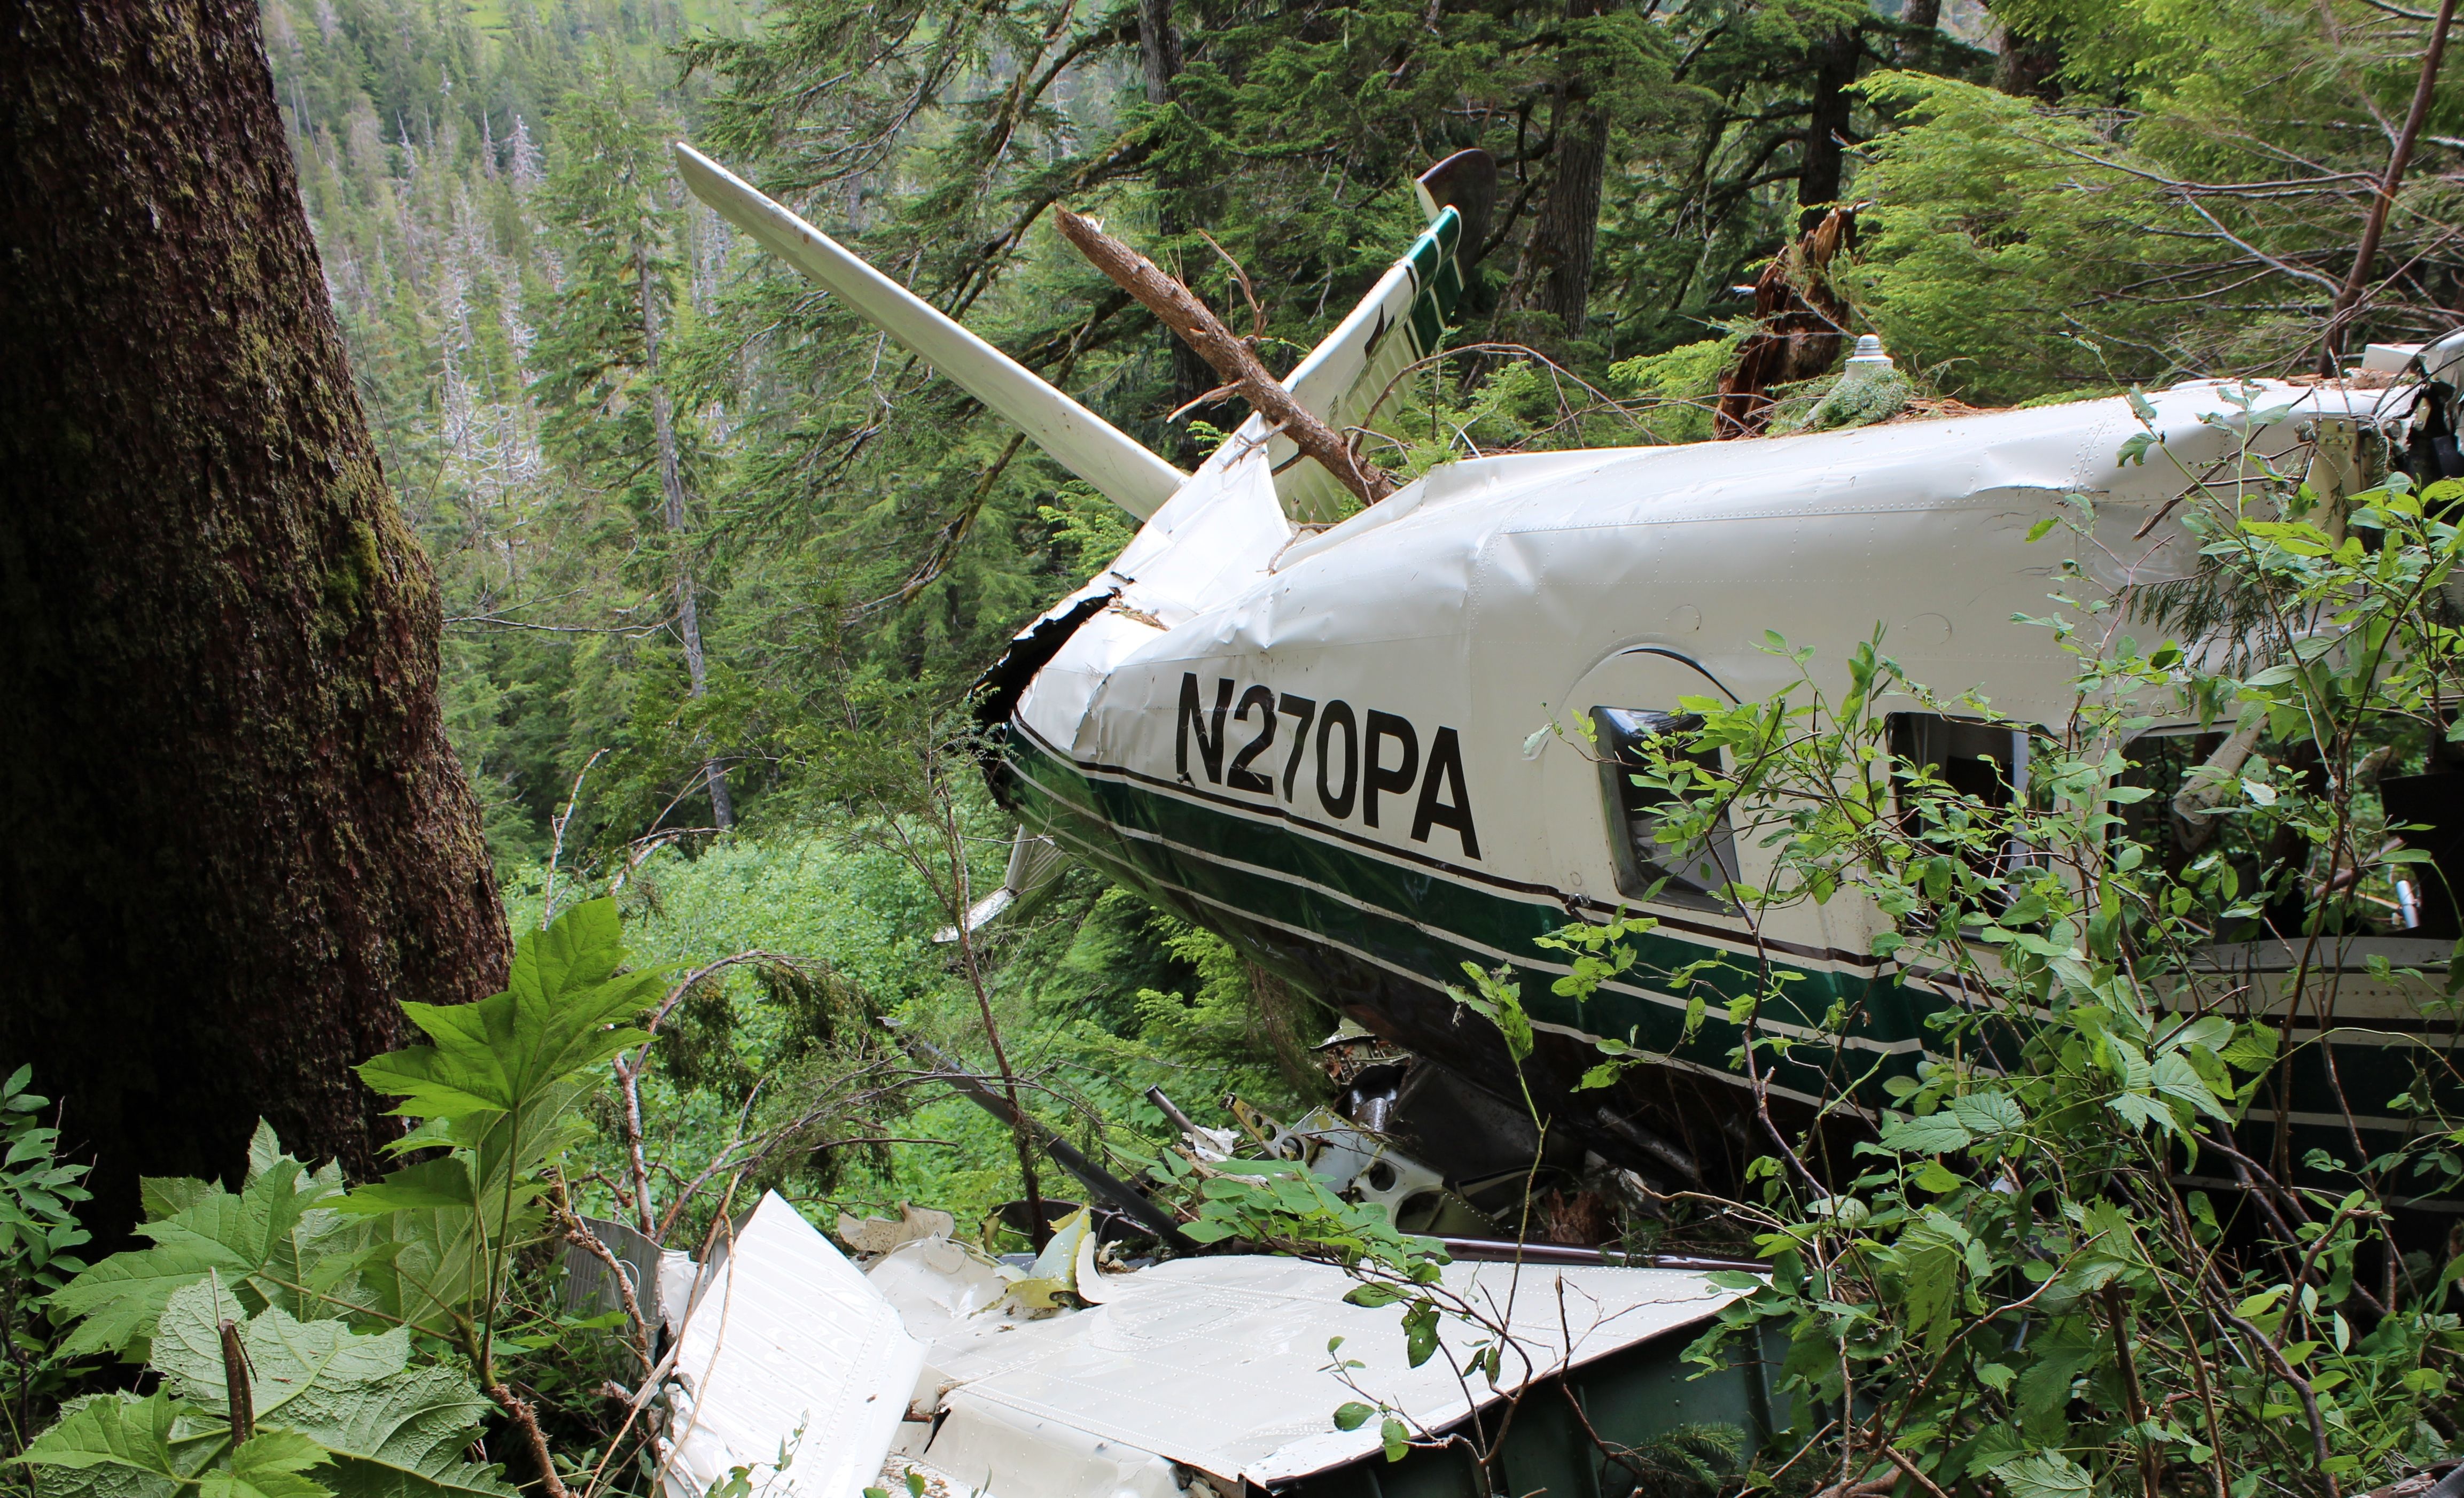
{"x": 1194, "y": 1376}
{"x": 792, "y": 1365}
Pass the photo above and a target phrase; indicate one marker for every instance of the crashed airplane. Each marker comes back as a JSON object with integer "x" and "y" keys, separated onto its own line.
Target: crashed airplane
{"x": 1324, "y": 736}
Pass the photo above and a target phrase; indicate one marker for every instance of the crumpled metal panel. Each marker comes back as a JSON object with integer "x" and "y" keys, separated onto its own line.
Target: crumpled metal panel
{"x": 788, "y": 1346}
{"x": 1221, "y": 1364}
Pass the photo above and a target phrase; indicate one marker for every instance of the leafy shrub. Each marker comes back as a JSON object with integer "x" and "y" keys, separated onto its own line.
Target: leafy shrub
{"x": 2017, "y": 1277}
{"x": 313, "y": 1340}
{"x": 39, "y": 1231}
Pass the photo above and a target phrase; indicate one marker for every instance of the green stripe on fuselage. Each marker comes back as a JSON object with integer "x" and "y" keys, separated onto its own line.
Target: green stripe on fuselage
{"x": 1426, "y": 923}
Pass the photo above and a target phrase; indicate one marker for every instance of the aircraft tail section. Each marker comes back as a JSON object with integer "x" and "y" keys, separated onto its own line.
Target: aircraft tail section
{"x": 1093, "y": 449}
{"x": 1353, "y": 372}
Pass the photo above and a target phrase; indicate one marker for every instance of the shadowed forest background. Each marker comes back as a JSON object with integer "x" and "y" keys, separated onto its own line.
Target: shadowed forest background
{"x": 711, "y": 551}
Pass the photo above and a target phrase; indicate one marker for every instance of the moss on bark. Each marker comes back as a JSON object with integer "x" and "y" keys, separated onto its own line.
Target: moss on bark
{"x": 232, "y": 837}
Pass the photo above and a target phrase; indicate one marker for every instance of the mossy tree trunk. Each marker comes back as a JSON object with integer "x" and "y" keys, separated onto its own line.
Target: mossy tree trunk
{"x": 232, "y": 837}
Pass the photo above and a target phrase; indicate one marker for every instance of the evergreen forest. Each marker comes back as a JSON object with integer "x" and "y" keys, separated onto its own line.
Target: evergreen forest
{"x": 711, "y": 549}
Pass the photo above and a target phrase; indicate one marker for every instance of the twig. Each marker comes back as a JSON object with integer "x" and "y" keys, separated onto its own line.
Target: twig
{"x": 2332, "y": 342}
{"x": 578, "y": 1232}
{"x": 523, "y": 1417}
{"x": 1900, "y": 1459}
{"x": 556, "y": 847}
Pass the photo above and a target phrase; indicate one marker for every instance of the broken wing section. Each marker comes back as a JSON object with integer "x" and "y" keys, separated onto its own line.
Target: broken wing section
{"x": 790, "y": 1359}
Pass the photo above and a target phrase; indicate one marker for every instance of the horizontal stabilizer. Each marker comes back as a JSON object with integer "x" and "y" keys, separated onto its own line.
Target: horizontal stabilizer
{"x": 1082, "y": 442}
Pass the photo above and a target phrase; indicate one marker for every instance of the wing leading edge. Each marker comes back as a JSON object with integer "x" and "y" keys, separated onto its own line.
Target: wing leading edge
{"x": 1089, "y": 446}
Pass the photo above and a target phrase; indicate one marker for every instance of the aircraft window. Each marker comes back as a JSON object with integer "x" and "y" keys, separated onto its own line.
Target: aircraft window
{"x": 1980, "y": 759}
{"x": 1983, "y": 760}
{"x": 1635, "y": 813}
{"x": 2194, "y": 815}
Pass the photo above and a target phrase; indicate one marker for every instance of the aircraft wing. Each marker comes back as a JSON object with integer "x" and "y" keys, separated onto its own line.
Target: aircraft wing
{"x": 1118, "y": 466}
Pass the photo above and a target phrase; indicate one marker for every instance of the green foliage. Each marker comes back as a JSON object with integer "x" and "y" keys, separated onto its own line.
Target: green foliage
{"x": 325, "y": 1289}
{"x": 348, "y": 1406}
{"x": 38, "y": 1238}
{"x": 2014, "y": 1276}
{"x": 276, "y": 1243}
{"x": 1283, "y": 1205}
{"x": 1994, "y": 227}
{"x": 1681, "y": 385}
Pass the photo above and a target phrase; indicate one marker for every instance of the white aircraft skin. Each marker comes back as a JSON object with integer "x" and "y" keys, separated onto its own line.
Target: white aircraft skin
{"x": 1321, "y": 741}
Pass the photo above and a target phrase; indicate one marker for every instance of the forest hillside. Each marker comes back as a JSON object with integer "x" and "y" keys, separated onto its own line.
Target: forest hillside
{"x": 707, "y": 543}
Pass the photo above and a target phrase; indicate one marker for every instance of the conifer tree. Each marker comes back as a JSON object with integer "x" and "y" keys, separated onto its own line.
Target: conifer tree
{"x": 612, "y": 410}
{"x": 236, "y": 839}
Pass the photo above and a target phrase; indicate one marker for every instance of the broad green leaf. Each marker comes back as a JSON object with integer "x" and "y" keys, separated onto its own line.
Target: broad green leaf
{"x": 393, "y": 1430}
{"x": 2253, "y": 1049}
{"x": 1935, "y": 1133}
{"x": 2045, "y": 1385}
{"x": 1988, "y": 1114}
{"x": 264, "y": 1150}
{"x": 275, "y": 1243}
{"x": 113, "y": 1430}
{"x": 1396, "y": 1440}
{"x": 2179, "y": 1080}
{"x": 118, "y": 1301}
{"x": 288, "y": 1357}
{"x": 268, "y": 1467}
{"x": 2045, "y": 1474}
{"x": 399, "y": 1437}
{"x": 1352, "y": 1415}
{"x": 430, "y": 1183}
{"x": 1930, "y": 1280}
{"x": 169, "y": 1196}
{"x": 1419, "y": 1333}
{"x": 564, "y": 1010}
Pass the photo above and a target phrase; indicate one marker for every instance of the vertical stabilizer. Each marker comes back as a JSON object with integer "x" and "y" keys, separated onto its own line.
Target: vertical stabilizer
{"x": 1082, "y": 442}
{"x": 1402, "y": 320}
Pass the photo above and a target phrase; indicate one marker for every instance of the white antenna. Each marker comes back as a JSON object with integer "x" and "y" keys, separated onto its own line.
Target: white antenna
{"x": 1085, "y": 443}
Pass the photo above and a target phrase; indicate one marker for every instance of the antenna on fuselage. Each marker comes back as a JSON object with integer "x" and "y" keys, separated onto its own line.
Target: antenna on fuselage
{"x": 1118, "y": 467}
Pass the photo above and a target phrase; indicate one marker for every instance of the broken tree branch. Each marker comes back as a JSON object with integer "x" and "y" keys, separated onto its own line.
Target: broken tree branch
{"x": 2348, "y": 299}
{"x": 1232, "y": 356}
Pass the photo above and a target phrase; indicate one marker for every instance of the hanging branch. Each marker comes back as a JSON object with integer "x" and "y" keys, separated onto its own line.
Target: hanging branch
{"x": 2348, "y": 299}
{"x": 1185, "y": 313}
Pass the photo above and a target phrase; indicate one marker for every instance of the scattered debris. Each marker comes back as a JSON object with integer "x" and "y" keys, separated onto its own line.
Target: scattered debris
{"x": 790, "y": 1361}
{"x": 661, "y": 1278}
{"x": 880, "y": 1235}
{"x": 1181, "y": 1380}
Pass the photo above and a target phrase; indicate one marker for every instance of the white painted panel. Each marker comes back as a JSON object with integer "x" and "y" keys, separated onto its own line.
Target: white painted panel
{"x": 789, "y": 1346}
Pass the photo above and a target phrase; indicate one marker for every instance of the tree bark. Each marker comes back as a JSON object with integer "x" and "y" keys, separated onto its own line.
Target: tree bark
{"x": 671, "y": 488}
{"x": 1159, "y": 50}
{"x": 2029, "y": 67}
{"x": 1176, "y": 196}
{"x": 1801, "y": 325}
{"x": 1826, "y": 127}
{"x": 1568, "y": 227}
{"x": 234, "y": 839}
